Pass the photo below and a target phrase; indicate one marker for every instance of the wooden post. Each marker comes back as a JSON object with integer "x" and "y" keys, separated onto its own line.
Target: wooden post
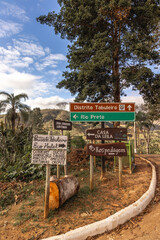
{"x": 91, "y": 172}
{"x": 94, "y": 157}
{"x": 47, "y": 189}
{"x": 65, "y": 166}
{"x": 58, "y": 166}
{"x": 120, "y": 171}
{"x": 135, "y": 147}
{"x": 102, "y": 158}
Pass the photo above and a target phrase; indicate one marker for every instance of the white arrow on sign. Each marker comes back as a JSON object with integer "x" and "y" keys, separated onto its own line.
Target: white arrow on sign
{"x": 129, "y": 107}
{"x": 75, "y": 116}
{"x": 90, "y": 134}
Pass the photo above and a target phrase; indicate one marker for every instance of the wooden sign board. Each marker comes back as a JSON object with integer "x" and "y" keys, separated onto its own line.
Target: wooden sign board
{"x": 102, "y": 112}
{"x": 49, "y": 149}
{"x": 62, "y": 125}
{"x": 49, "y": 142}
{"x": 52, "y": 157}
{"x": 102, "y": 107}
{"x": 109, "y": 149}
{"x": 107, "y": 134}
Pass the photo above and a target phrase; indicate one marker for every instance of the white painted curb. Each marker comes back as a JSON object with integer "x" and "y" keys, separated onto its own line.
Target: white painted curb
{"x": 114, "y": 220}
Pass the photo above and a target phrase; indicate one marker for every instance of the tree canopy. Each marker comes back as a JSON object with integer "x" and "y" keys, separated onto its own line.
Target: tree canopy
{"x": 107, "y": 37}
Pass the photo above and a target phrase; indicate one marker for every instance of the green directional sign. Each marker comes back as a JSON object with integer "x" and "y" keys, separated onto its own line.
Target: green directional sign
{"x": 101, "y": 116}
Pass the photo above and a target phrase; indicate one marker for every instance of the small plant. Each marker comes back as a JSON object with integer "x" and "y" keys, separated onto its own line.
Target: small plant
{"x": 7, "y": 198}
{"x": 22, "y": 217}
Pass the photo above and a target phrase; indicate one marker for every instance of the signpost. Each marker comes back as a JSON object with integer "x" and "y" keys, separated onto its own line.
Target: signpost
{"x": 62, "y": 125}
{"x": 107, "y": 134}
{"x": 108, "y": 149}
{"x": 101, "y": 112}
{"x": 48, "y": 149}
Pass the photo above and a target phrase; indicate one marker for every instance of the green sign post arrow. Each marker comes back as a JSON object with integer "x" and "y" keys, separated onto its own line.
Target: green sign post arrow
{"x": 101, "y": 116}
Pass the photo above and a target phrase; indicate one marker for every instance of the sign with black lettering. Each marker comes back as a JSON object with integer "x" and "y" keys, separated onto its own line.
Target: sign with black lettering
{"x": 107, "y": 134}
{"x": 62, "y": 125}
{"x": 53, "y": 157}
{"x": 49, "y": 142}
{"x": 49, "y": 149}
{"x": 108, "y": 149}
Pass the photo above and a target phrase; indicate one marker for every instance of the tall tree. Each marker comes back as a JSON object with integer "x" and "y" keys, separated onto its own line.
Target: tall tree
{"x": 36, "y": 120}
{"x": 107, "y": 36}
{"x": 14, "y": 107}
{"x": 146, "y": 120}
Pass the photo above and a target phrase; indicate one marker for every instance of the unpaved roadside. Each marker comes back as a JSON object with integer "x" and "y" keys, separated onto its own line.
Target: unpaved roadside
{"x": 147, "y": 225}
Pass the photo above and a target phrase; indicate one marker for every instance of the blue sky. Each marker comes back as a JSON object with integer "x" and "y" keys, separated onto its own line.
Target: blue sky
{"x": 32, "y": 57}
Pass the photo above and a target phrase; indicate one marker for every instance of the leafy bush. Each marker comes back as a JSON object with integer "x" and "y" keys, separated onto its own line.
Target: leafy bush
{"x": 15, "y": 156}
{"x": 77, "y": 142}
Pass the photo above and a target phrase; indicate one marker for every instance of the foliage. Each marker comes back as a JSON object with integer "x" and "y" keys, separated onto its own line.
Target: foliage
{"x": 15, "y": 155}
{"x": 145, "y": 81}
{"x": 36, "y": 120}
{"x": 16, "y": 110}
{"x": 155, "y": 146}
{"x": 107, "y": 38}
{"x": 77, "y": 142}
{"x": 145, "y": 122}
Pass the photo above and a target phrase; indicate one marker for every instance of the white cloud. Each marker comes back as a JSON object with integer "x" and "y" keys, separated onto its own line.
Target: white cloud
{"x": 28, "y": 48}
{"x": 54, "y": 72}
{"x": 50, "y": 60}
{"x": 59, "y": 57}
{"x": 18, "y": 68}
{"x": 17, "y": 80}
{"x": 13, "y": 10}
{"x": 22, "y": 82}
{"x": 11, "y": 57}
{"x": 137, "y": 99}
{"x": 45, "y": 103}
{"x": 9, "y": 28}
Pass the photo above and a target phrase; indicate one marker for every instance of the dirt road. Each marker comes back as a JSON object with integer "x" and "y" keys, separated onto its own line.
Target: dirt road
{"x": 145, "y": 226}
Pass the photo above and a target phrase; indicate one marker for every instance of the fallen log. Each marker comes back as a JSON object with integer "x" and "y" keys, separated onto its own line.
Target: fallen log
{"x": 61, "y": 190}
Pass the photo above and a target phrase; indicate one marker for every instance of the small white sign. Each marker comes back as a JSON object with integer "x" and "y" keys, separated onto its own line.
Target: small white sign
{"x": 49, "y": 149}
{"x": 52, "y": 157}
{"x": 49, "y": 142}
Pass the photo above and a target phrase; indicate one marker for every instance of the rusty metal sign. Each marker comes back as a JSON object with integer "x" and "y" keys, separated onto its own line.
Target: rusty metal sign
{"x": 108, "y": 149}
{"x": 62, "y": 125}
{"x": 107, "y": 134}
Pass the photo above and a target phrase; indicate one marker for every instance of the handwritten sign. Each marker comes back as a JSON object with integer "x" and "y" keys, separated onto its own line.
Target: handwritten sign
{"x": 107, "y": 134}
{"x": 52, "y": 157}
{"x": 109, "y": 149}
{"x": 49, "y": 149}
{"x": 49, "y": 142}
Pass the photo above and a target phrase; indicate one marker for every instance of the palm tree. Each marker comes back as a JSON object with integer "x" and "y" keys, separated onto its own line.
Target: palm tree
{"x": 14, "y": 107}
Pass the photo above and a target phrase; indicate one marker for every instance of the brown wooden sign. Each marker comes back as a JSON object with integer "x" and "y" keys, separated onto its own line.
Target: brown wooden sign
{"x": 107, "y": 134}
{"x": 62, "y": 125}
{"x": 102, "y": 107}
{"x": 108, "y": 149}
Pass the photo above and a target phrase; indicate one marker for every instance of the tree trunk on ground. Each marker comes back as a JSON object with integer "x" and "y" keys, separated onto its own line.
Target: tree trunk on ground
{"x": 61, "y": 190}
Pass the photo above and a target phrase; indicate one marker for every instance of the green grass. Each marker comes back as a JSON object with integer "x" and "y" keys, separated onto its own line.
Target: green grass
{"x": 22, "y": 217}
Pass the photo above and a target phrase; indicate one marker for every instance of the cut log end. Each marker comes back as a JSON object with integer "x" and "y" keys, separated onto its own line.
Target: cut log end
{"x": 54, "y": 196}
{"x": 61, "y": 190}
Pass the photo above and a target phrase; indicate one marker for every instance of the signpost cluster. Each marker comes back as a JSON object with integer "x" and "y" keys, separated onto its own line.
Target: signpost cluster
{"x": 51, "y": 150}
{"x": 101, "y": 112}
